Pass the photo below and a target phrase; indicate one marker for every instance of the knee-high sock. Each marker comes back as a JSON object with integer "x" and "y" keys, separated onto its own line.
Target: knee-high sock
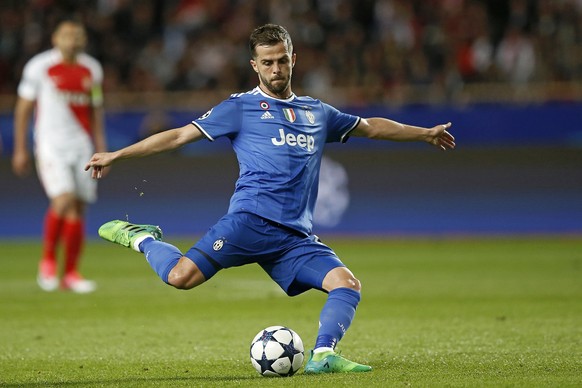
{"x": 336, "y": 316}
{"x": 74, "y": 238}
{"x": 53, "y": 225}
{"x": 161, "y": 256}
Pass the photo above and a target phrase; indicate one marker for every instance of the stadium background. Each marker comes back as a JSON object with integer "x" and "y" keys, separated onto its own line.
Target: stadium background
{"x": 518, "y": 168}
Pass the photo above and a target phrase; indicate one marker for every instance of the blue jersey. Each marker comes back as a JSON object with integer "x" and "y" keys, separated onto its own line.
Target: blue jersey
{"x": 279, "y": 145}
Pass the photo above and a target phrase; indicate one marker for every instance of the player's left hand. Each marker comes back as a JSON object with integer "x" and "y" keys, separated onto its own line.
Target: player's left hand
{"x": 442, "y": 138}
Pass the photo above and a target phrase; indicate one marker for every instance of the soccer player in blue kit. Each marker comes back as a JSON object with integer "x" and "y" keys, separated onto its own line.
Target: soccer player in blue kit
{"x": 278, "y": 138}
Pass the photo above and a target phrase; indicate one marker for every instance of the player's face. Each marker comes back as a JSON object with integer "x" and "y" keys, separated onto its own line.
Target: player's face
{"x": 274, "y": 65}
{"x": 70, "y": 39}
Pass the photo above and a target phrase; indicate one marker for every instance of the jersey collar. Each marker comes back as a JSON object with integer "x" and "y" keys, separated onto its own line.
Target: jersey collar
{"x": 289, "y": 99}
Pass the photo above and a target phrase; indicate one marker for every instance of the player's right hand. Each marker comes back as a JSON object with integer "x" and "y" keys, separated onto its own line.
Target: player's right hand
{"x": 98, "y": 162}
{"x": 21, "y": 163}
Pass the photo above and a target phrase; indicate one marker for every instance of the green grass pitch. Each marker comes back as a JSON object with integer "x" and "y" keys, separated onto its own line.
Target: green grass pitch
{"x": 435, "y": 312}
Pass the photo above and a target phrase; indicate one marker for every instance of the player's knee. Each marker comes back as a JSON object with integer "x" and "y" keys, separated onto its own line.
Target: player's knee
{"x": 353, "y": 283}
{"x": 178, "y": 280}
{"x": 181, "y": 280}
{"x": 350, "y": 282}
{"x": 341, "y": 278}
{"x": 63, "y": 204}
{"x": 185, "y": 275}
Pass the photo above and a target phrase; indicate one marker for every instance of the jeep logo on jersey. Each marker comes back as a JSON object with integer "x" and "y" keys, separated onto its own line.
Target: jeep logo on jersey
{"x": 301, "y": 140}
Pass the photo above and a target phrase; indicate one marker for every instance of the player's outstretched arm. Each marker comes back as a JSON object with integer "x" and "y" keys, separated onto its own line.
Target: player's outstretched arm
{"x": 160, "y": 142}
{"x": 385, "y": 129}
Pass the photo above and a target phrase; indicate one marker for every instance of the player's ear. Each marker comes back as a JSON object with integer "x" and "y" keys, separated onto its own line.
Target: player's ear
{"x": 293, "y": 58}
{"x": 254, "y": 65}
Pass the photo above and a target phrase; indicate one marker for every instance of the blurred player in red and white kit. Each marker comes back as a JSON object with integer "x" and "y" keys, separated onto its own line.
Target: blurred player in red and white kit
{"x": 64, "y": 85}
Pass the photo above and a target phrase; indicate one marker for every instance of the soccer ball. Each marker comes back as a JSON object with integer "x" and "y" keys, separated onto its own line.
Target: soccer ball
{"x": 277, "y": 351}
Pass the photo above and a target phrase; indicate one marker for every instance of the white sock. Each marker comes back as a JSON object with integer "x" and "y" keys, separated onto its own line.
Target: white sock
{"x": 139, "y": 240}
{"x": 322, "y": 349}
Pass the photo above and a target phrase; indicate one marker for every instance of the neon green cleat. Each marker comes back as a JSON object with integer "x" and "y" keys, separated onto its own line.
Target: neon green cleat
{"x": 331, "y": 362}
{"x": 126, "y": 234}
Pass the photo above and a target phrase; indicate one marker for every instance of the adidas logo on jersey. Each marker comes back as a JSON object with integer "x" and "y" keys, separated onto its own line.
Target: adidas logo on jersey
{"x": 267, "y": 115}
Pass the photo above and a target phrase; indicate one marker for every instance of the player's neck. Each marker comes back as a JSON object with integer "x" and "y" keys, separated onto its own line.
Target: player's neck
{"x": 286, "y": 94}
{"x": 69, "y": 58}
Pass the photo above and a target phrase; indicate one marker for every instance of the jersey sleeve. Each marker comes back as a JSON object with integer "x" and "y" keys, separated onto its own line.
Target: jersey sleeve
{"x": 29, "y": 84}
{"x": 339, "y": 124}
{"x": 222, "y": 120}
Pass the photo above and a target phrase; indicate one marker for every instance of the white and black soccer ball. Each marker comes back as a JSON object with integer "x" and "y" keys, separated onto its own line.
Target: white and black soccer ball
{"x": 277, "y": 351}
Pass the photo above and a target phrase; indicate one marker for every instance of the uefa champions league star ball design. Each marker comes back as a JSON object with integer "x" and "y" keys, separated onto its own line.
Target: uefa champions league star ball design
{"x": 277, "y": 351}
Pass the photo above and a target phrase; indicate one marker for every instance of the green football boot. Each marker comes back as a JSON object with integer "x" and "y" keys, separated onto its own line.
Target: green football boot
{"x": 331, "y": 362}
{"x": 126, "y": 234}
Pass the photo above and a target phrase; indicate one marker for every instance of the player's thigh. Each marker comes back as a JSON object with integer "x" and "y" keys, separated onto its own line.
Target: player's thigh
{"x": 303, "y": 267}
{"x": 236, "y": 239}
{"x": 85, "y": 186}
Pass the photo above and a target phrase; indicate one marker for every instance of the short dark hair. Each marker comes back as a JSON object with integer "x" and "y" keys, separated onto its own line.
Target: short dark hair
{"x": 269, "y": 35}
{"x": 67, "y": 19}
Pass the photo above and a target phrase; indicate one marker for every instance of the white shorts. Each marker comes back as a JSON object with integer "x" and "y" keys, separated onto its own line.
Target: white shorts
{"x": 62, "y": 172}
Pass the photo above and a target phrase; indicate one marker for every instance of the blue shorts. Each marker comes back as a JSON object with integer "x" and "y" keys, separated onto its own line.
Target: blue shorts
{"x": 294, "y": 261}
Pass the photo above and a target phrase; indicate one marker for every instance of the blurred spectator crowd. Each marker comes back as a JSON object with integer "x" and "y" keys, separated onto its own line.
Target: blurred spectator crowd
{"x": 369, "y": 46}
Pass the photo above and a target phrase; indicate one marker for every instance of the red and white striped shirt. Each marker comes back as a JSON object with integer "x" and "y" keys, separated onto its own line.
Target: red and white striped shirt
{"x": 65, "y": 94}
